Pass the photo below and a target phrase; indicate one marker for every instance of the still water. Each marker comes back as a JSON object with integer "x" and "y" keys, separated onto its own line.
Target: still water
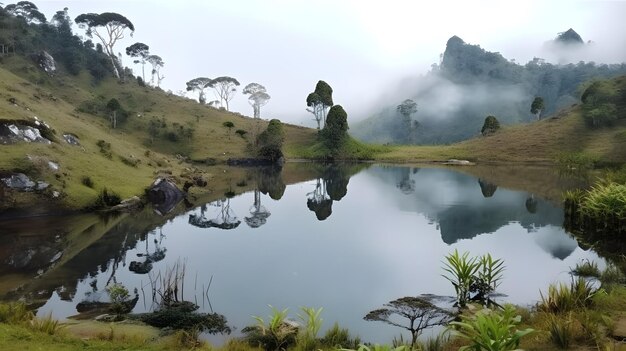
{"x": 347, "y": 239}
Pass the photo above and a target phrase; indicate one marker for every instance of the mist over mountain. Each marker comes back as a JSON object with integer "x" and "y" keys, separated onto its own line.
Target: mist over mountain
{"x": 471, "y": 83}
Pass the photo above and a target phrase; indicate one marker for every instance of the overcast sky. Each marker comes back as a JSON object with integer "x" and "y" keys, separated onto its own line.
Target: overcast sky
{"x": 361, "y": 48}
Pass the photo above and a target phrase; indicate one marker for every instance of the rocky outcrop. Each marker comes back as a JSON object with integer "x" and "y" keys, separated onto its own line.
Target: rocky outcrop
{"x": 71, "y": 139}
{"x": 164, "y": 196}
{"x": 46, "y": 62}
{"x": 21, "y": 182}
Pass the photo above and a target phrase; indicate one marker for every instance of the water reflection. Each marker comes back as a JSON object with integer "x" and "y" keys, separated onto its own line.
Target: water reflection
{"x": 370, "y": 231}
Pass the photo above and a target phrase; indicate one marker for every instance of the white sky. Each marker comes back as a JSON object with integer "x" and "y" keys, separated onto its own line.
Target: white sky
{"x": 361, "y": 48}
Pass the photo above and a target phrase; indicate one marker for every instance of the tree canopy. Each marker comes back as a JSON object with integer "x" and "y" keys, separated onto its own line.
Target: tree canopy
{"x": 319, "y": 101}
{"x": 490, "y": 126}
{"x": 335, "y": 131}
{"x": 258, "y": 97}
{"x": 27, "y": 10}
{"x": 199, "y": 84}
{"x": 113, "y": 23}
{"x": 140, "y": 51}
{"x": 537, "y": 107}
{"x": 225, "y": 88}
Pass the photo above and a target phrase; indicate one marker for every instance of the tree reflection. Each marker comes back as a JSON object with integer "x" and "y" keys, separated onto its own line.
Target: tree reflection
{"x": 405, "y": 183}
{"x": 258, "y": 212}
{"x": 488, "y": 189}
{"x": 331, "y": 186}
{"x": 531, "y": 204}
{"x": 225, "y": 219}
{"x": 270, "y": 182}
{"x": 149, "y": 257}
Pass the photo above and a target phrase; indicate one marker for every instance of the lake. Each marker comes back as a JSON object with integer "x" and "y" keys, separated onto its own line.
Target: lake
{"x": 345, "y": 238}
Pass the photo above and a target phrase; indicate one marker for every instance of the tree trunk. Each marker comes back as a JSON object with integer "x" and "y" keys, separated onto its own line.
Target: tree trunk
{"x": 115, "y": 71}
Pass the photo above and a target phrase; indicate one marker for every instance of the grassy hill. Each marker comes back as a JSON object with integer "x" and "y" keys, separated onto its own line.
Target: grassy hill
{"x": 136, "y": 157}
{"x": 165, "y": 134}
{"x": 561, "y": 136}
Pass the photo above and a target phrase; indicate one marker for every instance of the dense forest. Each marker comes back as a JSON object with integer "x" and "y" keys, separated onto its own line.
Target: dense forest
{"x": 471, "y": 83}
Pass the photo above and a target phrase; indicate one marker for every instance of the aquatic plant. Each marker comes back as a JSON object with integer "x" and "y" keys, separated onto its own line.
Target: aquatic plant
{"x": 586, "y": 269}
{"x": 461, "y": 270}
{"x": 490, "y": 330}
{"x": 275, "y": 334}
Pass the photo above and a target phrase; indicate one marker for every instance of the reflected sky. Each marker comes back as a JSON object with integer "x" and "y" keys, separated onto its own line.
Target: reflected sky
{"x": 385, "y": 239}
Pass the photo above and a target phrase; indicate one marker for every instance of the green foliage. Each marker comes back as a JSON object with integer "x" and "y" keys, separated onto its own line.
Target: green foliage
{"x": 378, "y": 347}
{"x": 183, "y": 316}
{"x": 118, "y": 295}
{"x": 437, "y": 343}
{"x": 270, "y": 141}
{"x": 339, "y": 338}
{"x": 576, "y": 161}
{"x": 276, "y": 334}
{"x": 612, "y": 275}
{"x": 564, "y": 298}
{"x": 600, "y": 103}
{"x": 324, "y": 92}
{"x": 586, "y": 269}
{"x": 605, "y": 201}
{"x": 46, "y": 325}
{"x": 241, "y": 132}
{"x": 461, "y": 270}
{"x": 86, "y": 181}
{"x": 537, "y": 106}
{"x": 335, "y": 131}
{"x": 490, "y": 126}
{"x": 105, "y": 148}
{"x": 107, "y": 198}
{"x": 490, "y": 330}
{"x": 561, "y": 330}
{"x": 307, "y": 337}
{"x": 187, "y": 339}
{"x": 15, "y": 313}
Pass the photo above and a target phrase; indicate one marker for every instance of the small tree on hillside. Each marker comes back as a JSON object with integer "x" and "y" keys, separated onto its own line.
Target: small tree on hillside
{"x": 490, "y": 126}
{"x": 335, "y": 131}
{"x": 114, "y": 24}
{"x": 230, "y": 125}
{"x": 114, "y": 108}
{"x": 157, "y": 63}
{"x": 319, "y": 101}
{"x": 537, "y": 107}
{"x": 270, "y": 142}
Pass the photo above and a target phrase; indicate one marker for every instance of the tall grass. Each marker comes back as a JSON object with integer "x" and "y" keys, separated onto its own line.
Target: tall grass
{"x": 564, "y": 298}
{"x": 46, "y": 325}
{"x": 312, "y": 322}
{"x": 561, "y": 331}
{"x": 586, "y": 269}
{"x": 339, "y": 338}
{"x": 15, "y": 313}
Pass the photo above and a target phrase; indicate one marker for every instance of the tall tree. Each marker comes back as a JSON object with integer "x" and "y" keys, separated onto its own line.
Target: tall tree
{"x": 26, "y": 10}
{"x": 140, "y": 51}
{"x": 62, "y": 21}
{"x": 157, "y": 63}
{"x": 335, "y": 131}
{"x": 225, "y": 88}
{"x": 199, "y": 84}
{"x": 113, "y": 24}
{"x": 258, "y": 97}
{"x": 406, "y": 109}
{"x": 537, "y": 107}
{"x": 319, "y": 101}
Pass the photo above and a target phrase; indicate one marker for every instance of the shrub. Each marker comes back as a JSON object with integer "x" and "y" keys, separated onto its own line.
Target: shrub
{"x": 490, "y": 126}
{"x": 560, "y": 329}
{"x": 276, "y": 334}
{"x": 270, "y": 141}
{"x": 490, "y": 330}
{"x": 118, "y": 295}
{"x": 586, "y": 269}
{"x": 107, "y": 198}
{"x": 339, "y": 338}
{"x": 46, "y": 325}
{"x": 241, "y": 132}
{"x": 563, "y": 298}
{"x": 86, "y": 181}
{"x": 335, "y": 131}
{"x": 105, "y": 148}
{"x": 14, "y": 313}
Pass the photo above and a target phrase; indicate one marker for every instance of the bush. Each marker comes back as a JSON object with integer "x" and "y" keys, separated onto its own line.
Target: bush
{"x": 563, "y": 298}
{"x": 586, "y": 269}
{"x": 490, "y": 126}
{"x": 86, "y": 181}
{"x": 14, "y": 313}
{"x": 183, "y": 316}
{"x": 107, "y": 199}
{"x": 335, "y": 130}
{"x": 271, "y": 140}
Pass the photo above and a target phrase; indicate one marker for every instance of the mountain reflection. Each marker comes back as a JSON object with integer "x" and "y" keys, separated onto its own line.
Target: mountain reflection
{"x": 450, "y": 199}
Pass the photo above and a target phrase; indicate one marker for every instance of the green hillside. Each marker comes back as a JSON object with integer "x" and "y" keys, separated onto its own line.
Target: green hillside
{"x": 136, "y": 156}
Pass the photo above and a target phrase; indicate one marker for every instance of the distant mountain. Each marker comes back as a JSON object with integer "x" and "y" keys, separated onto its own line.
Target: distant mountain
{"x": 471, "y": 83}
{"x": 569, "y": 37}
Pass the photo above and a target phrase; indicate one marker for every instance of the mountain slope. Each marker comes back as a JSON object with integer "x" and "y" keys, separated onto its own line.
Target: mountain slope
{"x": 137, "y": 157}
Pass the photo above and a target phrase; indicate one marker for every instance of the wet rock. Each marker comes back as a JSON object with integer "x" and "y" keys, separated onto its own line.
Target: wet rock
{"x": 164, "y": 196}
{"x": 71, "y": 139}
